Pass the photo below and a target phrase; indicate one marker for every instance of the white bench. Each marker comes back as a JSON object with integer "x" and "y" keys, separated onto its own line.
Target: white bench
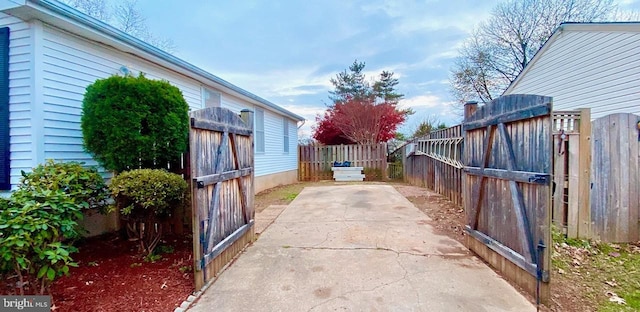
{"x": 345, "y": 174}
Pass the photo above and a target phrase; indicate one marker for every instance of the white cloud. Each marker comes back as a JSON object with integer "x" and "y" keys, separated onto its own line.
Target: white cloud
{"x": 415, "y": 16}
{"x": 425, "y": 100}
{"x": 308, "y": 112}
{"x": 281, "y": 83}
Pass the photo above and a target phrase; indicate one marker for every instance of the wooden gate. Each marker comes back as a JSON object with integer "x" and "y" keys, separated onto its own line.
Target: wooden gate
{"x": 221, "y": 153}
{"x": 507, "y": 159}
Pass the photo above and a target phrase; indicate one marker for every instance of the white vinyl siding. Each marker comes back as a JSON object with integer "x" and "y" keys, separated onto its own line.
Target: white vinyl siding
{"x": 269, "y": 142}
{"x": 234, "y": 104}
{"x": 273, "y": 160}
{"x": 259, "y": 131}
{"x": 588, "y": 69}
{"x": 69, "y": 65}
{"x": 20, "y": 96}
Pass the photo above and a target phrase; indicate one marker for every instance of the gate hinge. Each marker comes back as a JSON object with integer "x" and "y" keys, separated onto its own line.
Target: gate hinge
{"x": 539, "y": 179}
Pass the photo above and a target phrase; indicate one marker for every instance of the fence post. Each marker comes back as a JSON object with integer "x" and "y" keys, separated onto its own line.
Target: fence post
{"x": 247, "y": 116}
{"x": 470, "y": 107}
{"x": 584, "y": 184}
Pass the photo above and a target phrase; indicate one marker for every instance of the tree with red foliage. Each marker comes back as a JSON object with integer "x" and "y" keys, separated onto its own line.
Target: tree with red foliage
{"x": 361, "y": 113}
{"x": 326, "y": 132}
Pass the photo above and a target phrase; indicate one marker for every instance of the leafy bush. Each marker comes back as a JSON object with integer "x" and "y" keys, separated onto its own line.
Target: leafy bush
{"x": 144, "y": 197}
{"x": 41, "y": 216}
{"x": 134, "y": 122}
{"x": 84, "y": 185}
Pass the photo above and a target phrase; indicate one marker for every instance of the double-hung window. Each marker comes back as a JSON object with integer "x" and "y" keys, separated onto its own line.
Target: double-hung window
{"x": 259, "y": 131}
{"x": 285, "y": 134}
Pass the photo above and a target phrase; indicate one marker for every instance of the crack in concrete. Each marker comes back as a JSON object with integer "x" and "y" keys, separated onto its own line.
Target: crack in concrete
{"x": 398, "y": 252}
{"x": 326, "y": 238}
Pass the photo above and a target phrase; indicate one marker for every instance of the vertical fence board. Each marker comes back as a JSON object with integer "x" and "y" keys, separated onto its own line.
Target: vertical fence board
{"x": 634, "y": 178}
{"x": 584, "y": 180}
{"x": 373, "y": 157}
{"x": 574, "y": 176}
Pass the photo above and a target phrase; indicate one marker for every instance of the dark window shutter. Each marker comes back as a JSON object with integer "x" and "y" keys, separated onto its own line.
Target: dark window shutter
{"x": 5, "y": 166}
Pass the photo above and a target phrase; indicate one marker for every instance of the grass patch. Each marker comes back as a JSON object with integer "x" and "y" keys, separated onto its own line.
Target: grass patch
{"x": 619, "y": 265}
{"x": 606, "y": 271}
{"x": 280, "y": 195}
{"x": 290, "y": 197}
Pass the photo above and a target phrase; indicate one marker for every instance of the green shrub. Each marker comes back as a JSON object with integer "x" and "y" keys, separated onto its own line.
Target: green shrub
{"x": 144, "y": 197}
{"x": 134, "y": 122}
{"x": 84, "y": 185}
{"x": 41, "y": 217}
{"x": 372, "y": 174}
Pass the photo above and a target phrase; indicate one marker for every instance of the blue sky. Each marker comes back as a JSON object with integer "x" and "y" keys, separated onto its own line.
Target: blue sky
{"x": 286, "y": 51}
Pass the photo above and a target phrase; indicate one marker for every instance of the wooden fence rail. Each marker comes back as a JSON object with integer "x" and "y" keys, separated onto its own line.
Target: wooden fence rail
{"x": 314, "y": 162}
{"x": 434, "y": 162}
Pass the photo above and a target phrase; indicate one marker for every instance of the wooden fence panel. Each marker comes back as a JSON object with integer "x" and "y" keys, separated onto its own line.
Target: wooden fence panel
{"x": 436, "y": 163}
{"x": 615, "y": 192}
{"x": 221, "y": 157}
{"x": 314, "y": 162}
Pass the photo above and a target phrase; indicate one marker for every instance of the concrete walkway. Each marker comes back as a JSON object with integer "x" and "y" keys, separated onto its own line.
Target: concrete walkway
{"x": 357, "y": 248}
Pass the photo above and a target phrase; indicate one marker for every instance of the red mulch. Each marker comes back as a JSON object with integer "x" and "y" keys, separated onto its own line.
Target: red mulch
{"x": 112, "y": 276}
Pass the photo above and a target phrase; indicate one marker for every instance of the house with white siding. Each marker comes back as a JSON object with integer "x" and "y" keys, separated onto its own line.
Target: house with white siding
{"x": 587, "y": 65}
{"x": 51, "y": 52}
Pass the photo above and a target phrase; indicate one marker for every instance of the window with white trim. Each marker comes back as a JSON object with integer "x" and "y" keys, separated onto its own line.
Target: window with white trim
{"x": 259, "y": 131}
{"x": 210, "y": 97}
{"x": 285, "y": 134}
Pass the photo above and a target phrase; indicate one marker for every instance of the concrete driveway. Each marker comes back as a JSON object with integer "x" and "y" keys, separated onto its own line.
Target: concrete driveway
{"x": 357, "y": 248}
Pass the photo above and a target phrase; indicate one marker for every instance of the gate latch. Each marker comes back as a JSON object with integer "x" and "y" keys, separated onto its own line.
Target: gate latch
{"x": 199, "y": 184}
{"x": 539, "y": 179}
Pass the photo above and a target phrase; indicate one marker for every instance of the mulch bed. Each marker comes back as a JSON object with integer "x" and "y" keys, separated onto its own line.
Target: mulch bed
{"x": 112, "y": 276}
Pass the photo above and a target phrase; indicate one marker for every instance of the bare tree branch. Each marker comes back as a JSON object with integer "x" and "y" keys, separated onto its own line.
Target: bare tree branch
{"x": 94, "y": 8}
{"x": 126, "y": 16}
